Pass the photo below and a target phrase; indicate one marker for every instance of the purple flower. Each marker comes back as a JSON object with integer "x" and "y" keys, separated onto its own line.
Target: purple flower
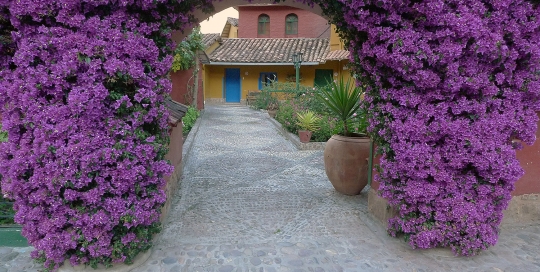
{"x": 447, "y": 92}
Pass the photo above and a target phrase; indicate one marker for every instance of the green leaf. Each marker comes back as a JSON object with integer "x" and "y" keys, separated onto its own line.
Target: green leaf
{"x": 342, "y": 99}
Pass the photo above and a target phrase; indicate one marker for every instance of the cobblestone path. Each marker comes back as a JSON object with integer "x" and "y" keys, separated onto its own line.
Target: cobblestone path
{"x": 250, "y": 201}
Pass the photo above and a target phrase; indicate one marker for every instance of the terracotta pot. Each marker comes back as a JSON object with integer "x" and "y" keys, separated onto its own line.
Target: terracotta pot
{"x": 272, "y": 113}
{"x": 305, "y": 135}
{"x": 346, "y": 164}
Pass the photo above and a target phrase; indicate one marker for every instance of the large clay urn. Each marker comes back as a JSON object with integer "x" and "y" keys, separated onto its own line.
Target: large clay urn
{"x": 346, "y": 163}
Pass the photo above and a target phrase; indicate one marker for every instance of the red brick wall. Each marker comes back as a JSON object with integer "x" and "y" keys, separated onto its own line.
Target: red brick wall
{"x": 310, "y": 25}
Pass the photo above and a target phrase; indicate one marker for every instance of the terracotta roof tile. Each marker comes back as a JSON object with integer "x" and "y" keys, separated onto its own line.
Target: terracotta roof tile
{"x": 338, "y": 55}
{"x": 232, "y": 21}
{"x": 209, "y": 39}
{"x": 176, "y": 110}
{"x": 270, "y": 50}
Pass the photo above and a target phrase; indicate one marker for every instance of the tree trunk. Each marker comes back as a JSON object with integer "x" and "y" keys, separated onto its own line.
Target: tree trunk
{"x": 195, "y": 91}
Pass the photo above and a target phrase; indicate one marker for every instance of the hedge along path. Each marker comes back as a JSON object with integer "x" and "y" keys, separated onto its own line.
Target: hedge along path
{"x": 450, "y": 86}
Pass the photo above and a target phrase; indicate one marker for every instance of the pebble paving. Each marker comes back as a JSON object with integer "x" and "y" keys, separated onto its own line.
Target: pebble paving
{"x": 250, "y": 201}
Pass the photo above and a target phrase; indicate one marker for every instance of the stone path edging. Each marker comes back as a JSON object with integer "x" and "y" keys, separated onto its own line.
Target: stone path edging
{"x": 188, "y": 143}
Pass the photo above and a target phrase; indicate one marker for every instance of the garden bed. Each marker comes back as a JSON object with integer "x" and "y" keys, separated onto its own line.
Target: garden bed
{"x": 292, "y": 101}
{"x": 295, "y": 140}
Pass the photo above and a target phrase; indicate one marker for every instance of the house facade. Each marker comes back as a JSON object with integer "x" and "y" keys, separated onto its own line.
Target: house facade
{"x": 268, "y": 36}
{"x": 275, "y": 21}
{"x": 184, "y": 80}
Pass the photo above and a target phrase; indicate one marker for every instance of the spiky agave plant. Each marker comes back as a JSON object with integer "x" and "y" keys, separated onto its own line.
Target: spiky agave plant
{"x": 342, "y": 99}
{"x": 308, "y": 120}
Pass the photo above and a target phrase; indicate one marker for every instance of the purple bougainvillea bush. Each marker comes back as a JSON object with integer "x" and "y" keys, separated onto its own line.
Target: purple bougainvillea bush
{"x": 453, "y": 87}
{"x": 82, "y": 101}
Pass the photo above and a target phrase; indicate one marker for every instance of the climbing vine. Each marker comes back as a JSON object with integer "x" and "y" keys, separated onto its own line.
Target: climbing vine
{"x": 186, "y": 51}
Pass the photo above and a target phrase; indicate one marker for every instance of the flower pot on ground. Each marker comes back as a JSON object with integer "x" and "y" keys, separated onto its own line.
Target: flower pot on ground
{"x": 305, "y": 136}
{"x": 272, "y": 113}
{"x": 272, "y": 109}
{"x": 308, "y": 122}
{"x": 346, "y": 156}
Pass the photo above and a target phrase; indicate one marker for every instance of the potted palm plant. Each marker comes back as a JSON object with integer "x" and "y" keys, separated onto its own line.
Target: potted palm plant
{"x": 308, "y": 122}
{"x": 346, "y": 154}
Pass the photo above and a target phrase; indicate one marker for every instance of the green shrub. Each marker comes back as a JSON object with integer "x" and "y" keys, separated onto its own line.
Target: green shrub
{"x": 264, "y": 99}
{"x": 328, "y": 126}
{"x": 343, "y": 100}
{"x": 5, "y": 208}
{"x": 284, "y": 90}
{"x": 286, "y": 115}
{"x": 307, "y": 99}
{"x": 3, "y": 135}
{"x": 281, "y": 87}
{"x": 189, "y": 119}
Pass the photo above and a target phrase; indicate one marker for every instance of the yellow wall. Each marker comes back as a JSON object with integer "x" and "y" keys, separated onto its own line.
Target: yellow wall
{"x": 211, "y": 48}
{"x": 233, "y": 32}
{"x": 214, "y": 76}
{"x": 336, "y": 43}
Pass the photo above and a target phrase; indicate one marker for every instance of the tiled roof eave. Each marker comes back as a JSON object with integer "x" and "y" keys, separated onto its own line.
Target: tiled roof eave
{"x": 311, "y": 63}
{"x": 270, "y": 50}
{"x": 338, "y": 55}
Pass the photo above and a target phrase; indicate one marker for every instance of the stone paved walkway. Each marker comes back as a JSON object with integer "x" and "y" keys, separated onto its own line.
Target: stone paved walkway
{"x": 249, "y": 201}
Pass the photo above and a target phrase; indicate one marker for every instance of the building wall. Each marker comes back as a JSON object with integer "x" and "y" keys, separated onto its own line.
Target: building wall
{"x": 175, "y": 157}
{"x": 211, "y": 48}
{"x": 310, "y": 25}
{"x": 215, "y": 74}
{"x": 529, "y": 158}
{"x": 180, "y": 81}
{"x": 336, "y": 43}
{"x": 233, "y": 32}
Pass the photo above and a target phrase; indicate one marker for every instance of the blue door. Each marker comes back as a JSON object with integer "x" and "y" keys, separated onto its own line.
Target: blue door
{"x": 232, "y": 85}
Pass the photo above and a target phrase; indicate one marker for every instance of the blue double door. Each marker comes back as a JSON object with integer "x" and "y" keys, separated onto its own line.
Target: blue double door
{"x": 232, "y": 85}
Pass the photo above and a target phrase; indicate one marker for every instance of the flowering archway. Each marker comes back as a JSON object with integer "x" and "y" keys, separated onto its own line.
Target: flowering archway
{"x": 451, "y": 85}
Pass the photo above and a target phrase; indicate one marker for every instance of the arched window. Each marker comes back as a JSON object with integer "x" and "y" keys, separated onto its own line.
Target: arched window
{"x": 264, "y": 24}
{"x": 291, "y": 24}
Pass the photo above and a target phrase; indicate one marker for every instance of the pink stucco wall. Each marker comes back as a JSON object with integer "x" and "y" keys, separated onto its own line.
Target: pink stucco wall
{"x": 180, "y": 81}
{"x": 176, "y": 145}
{"x": 529, "y": 158}
{"x": 310, "y": 25}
